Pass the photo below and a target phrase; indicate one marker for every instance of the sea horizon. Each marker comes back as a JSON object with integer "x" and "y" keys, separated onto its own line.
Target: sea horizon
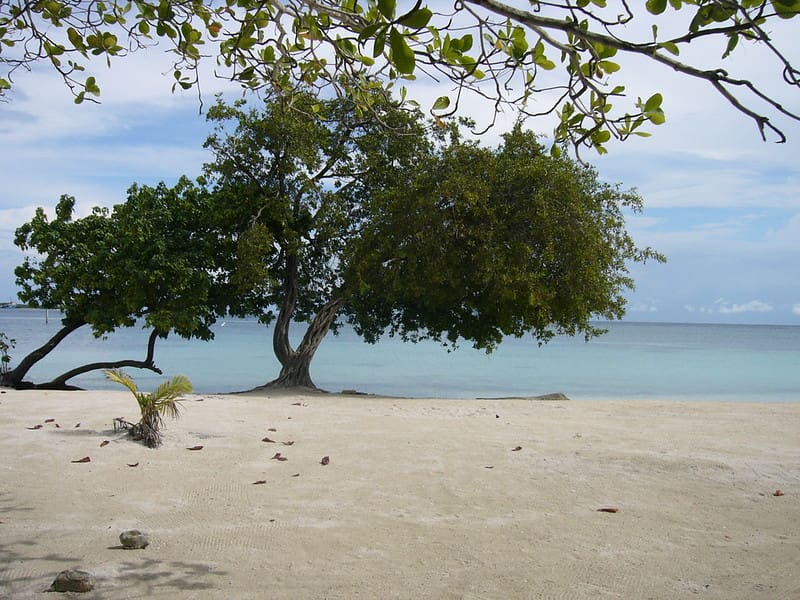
{"x": 635, "y": 359}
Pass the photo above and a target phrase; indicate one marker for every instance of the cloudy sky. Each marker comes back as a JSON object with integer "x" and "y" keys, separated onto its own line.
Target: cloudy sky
{"x": 720, "y": 203}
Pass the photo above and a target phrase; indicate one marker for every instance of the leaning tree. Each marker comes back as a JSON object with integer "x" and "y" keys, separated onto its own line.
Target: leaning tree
{"x": 148, "y": 261}
{"x": 397, "y": 228}
{"x": 290, "y": 184}
{"x": 560, "y": 57}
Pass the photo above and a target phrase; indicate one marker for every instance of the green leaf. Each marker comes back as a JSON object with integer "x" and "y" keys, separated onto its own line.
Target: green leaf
{"x": 545, "y": 63}
{"x": 379, "y": 45}
{"x": 76, "y": 39}
{"x": 402, "y": 55}
{"x": 733, "y": 40}
{"x": 670, "y": 47}
{"x": 387, "y": 8}
{"x": 91, "y": 86}
{"x": 601, "y": 136}
{"x": 786, "y": 9}
{"x": 653, "y": 103}
{"x": 656, "y": 7}
{"x": 417, "y": 19}
{"x": 608, "y": 66}
{"x": 368, "y": 32}
{"x": 441, "y": 103}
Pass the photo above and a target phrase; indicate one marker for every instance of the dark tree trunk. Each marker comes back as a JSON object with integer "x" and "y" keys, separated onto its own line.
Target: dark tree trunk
{"x": 14, "y": 377}
{"x": 60, "y": 382}
{"x": 296, "y": 363}
{"x": 295, "y": 372}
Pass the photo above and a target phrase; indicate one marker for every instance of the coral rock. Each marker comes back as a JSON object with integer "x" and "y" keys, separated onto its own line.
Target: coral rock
{"x": 134, "y": 539}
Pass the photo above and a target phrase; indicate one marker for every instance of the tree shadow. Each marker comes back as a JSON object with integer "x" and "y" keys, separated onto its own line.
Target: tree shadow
{"x": 121, "y": 573}
{"x": 150, "y": 576}
{"x": 15, "y": 554}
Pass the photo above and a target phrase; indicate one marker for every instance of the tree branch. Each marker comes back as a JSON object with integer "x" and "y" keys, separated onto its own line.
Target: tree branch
{"x": 60, "y": 382}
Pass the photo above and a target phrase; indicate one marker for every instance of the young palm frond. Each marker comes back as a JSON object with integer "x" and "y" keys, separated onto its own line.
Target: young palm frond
{"x": 153, "y": 406}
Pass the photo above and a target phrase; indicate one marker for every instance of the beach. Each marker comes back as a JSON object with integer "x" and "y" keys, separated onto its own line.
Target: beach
{"x": 402, "y": 498}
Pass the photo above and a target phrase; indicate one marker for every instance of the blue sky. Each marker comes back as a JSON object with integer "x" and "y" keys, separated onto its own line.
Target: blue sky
{"x": 720, "y": 203}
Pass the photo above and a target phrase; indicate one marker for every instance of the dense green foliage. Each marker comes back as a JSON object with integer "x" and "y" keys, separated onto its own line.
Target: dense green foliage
{"x": 149, "y": 259}
{"x": 497, "y": 50}
{"x": 479, "y": 244}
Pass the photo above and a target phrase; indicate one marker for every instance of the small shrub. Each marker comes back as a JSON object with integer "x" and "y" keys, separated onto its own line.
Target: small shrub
{"x": 153, "y": 406}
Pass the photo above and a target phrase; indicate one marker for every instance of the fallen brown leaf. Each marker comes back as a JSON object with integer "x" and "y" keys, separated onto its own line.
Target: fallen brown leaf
{"x": 58, "y": 426}
{"x": 49, "y": 420}
{"x": 195, "y": 448}
{"x": 104, "y": 443}
{"x": 489, "y": 467}
{"x": 290, "y": 443}
{"x": 608, "y": 509}
{"x": 279, "y": 456}
{"x": 85, "y": 459}
{"x": 260, "y": 481}
{"x": 516, "y": 449}
{"x": 272, "y": 429}
{"x": 296, "y": 475}
{"x": 136, "y": 464}
{"x": 778, "y": 493}
{"x": 77, "y": 425}
{"x": 266, "y": 439}
{"x": 39, "y": 426}
{"x": 325, "y": 460}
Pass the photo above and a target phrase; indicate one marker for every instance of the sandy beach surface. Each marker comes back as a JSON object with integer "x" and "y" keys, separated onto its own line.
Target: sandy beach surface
{"x": 423, "y": 498}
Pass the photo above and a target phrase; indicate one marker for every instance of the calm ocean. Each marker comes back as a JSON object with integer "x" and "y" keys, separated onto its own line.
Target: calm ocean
{"x": 758, "y": 363}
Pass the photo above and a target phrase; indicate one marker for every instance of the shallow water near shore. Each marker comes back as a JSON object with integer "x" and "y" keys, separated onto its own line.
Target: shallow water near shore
{"x": 756, "y": 363}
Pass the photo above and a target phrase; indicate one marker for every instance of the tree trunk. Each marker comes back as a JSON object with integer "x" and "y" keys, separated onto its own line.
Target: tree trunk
{"x": 295, "y": 372}
{"x": 14, "y": 377}
{"x": 296, "y": 364}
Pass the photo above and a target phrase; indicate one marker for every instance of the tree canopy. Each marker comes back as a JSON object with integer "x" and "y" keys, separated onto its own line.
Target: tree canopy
{"x": 500, "y": 51}
{"x": 150, "y": 258}
{"x": 419, "y": 234}
{"x": 484, "y": 243}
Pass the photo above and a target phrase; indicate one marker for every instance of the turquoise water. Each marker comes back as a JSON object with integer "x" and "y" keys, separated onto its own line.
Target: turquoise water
{"x": 758, "y": 363}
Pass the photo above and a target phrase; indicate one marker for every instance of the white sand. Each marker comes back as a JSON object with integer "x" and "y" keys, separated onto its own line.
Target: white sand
{"x": 408, "y": 506}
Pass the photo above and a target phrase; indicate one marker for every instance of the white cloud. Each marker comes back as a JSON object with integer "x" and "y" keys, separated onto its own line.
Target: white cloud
{"x": 753, "y": 306}
{"x": 642, "y": 307}
{"x": 723, "y": 307}
{"x": 796, "y": 309}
